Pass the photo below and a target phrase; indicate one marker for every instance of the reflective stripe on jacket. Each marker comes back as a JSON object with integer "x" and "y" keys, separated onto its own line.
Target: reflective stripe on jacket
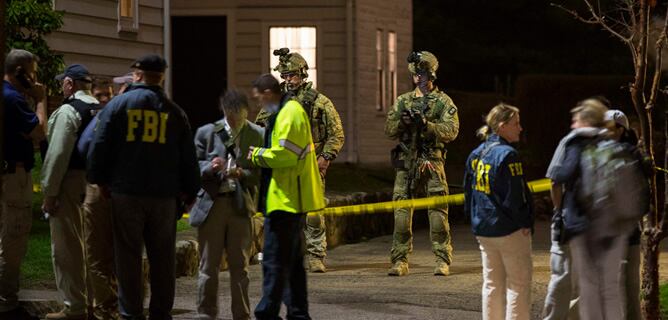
{"x": 294, "y": 185}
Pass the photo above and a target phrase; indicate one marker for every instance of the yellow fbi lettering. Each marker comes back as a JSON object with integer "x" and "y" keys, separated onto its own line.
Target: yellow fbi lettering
{"x": 515, "y": 169}
{"x": 153, "y": 125}
{"x": 481, "y": 176}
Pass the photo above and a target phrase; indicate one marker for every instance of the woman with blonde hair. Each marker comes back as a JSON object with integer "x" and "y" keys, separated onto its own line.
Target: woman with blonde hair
{"x": 499, "y": 204}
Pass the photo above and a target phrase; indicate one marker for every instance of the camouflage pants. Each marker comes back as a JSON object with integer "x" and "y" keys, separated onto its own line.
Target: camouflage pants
{"x": 314, "y": 233}
{"x": 430, "y": 183}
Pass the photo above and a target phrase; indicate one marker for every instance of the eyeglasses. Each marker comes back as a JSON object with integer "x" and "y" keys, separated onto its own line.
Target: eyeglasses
{"x": 288, "y": 75}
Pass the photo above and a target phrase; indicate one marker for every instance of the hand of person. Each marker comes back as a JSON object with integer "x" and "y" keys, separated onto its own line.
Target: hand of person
{"x": 50, "y": 205}
{"x": 234, "y": 173}
{"x": 250, "y": 152}
{"x": 218, "y": 164}
{"x": 406, "y": 118}
{"x": 323, "y": 164}
{"x": 526, "y": 231}
{"x": 419, "y": 118}
{"x": 37, "y": 92}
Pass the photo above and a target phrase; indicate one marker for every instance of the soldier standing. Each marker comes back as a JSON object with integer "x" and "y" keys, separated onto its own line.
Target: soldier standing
{"x": 327, "y": 133}
{"x": 423, "y": 121}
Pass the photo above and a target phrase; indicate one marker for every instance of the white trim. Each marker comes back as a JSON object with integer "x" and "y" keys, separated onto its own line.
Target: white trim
{"x": 167, "y": 44}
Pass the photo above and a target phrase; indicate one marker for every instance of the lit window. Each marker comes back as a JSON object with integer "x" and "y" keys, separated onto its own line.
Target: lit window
{"x": 127, "y": 16}
{"x": 380, "y": 72}
{"x": 298, "y": 39}
{"x": 127, "y": 8}
{"x": 392, "y": 65}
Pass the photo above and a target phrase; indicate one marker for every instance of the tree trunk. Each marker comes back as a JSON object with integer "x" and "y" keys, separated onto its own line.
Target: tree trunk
{"x": 650, "y": 275}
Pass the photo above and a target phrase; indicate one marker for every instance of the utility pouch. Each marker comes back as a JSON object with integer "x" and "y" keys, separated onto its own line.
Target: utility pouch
{"x": 395, "y": 158}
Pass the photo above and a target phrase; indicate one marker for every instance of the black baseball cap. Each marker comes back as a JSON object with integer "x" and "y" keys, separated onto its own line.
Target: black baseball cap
{"x": 151, "y": 62}
{"x": 75, "y": 72}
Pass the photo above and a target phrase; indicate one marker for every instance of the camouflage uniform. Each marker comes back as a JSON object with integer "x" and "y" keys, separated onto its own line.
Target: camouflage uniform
{"x": 426, "y": 176}
{"x": 328, "y": 138}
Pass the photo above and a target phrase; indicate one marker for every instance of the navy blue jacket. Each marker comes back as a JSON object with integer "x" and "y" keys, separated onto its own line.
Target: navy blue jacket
{"x": 497, "y": 197}
{"x": 143, "y": 146}
{"x": 574, "y": 219}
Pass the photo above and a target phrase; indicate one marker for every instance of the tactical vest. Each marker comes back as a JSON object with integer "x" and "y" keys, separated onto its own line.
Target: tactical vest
{"x": 87, "y": 112}
{"x": 308, "y": 100}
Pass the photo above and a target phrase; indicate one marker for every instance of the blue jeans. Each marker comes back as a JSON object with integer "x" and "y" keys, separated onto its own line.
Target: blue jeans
{"x": 284, "y": 276}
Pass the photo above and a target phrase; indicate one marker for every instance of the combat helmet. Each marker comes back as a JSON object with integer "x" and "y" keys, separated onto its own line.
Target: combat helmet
{"x": 423, "y": 61}
{"x": 290, "y": 62}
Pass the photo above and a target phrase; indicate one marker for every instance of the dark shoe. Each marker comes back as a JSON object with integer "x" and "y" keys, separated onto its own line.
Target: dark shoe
{"x": 17, "y": 314}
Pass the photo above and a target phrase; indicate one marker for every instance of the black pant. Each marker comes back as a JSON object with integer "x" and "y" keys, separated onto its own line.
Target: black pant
{"x": 150, "y": 222}
{"x": 284, "y": 276}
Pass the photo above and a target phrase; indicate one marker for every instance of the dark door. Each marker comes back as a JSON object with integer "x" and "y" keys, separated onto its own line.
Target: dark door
{"x": 199, "y": 66}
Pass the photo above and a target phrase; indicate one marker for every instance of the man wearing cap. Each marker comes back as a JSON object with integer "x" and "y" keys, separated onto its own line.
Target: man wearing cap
{"x": 328, "y": 138}
{"x": 143, "y": 154}
{"x": 64, "y": 187}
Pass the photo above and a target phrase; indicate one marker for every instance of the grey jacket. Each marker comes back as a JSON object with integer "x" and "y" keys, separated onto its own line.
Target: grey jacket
{"x": 208, "y": 145}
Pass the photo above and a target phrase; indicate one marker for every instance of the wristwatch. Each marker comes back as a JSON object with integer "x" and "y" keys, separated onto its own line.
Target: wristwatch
{"x": 327, "y": 156}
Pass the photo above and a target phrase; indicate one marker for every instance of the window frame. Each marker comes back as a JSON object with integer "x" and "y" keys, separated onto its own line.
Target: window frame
{"x": 126, "y": 23}
{"x": 266, "y": 50}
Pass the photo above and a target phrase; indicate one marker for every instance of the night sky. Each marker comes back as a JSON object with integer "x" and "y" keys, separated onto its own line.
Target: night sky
{"x": 476, "y": 40}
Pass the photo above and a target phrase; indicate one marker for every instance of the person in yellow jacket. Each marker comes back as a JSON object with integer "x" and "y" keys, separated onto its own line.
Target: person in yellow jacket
{"x": 290, "y": 187}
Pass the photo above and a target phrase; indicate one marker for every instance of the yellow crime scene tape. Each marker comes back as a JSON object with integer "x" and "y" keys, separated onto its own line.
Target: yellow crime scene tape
{"x": 535, "y": 186}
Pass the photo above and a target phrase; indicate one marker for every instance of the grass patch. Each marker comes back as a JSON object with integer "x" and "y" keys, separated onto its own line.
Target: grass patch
{"x": 663, "y": 296}
{"x": 182, "y": 225}
{"x": 37, "y": 268}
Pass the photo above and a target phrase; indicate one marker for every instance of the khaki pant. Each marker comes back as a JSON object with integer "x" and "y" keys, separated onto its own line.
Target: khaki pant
{"x": 15, "y": 223}
{"x": 506, "y": 272}
{"x": 226, "y": 229}
{"x": 432, "y": 183}
{"x": 99, "y": 240}
{"x": 67, "y": 242}
{"x": 598, "y": 266}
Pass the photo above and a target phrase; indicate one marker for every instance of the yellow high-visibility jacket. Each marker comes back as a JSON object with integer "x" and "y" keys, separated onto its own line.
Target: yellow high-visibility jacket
{"x": 295, "y": 185}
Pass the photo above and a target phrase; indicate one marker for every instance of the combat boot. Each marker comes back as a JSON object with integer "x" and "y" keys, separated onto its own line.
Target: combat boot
{"x": 316, "y": 265}
{"x": 400, "y": 268}
{"x": 442, "y": 269}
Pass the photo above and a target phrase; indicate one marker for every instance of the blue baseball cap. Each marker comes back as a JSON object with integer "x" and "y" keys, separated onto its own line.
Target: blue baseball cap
{"x": 75, "y": 72}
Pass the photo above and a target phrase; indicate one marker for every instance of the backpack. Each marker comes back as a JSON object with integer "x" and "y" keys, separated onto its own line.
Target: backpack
{"x": 613, "y": 190}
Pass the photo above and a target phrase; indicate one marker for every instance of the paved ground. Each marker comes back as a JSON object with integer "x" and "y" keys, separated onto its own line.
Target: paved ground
{"x": 357, "y": 287}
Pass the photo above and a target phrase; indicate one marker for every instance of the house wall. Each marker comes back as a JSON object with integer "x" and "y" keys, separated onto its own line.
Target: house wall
{"x": 248, "y": 41}
{"x": 90, "y": 35}
{"x": 394, "y": 15}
